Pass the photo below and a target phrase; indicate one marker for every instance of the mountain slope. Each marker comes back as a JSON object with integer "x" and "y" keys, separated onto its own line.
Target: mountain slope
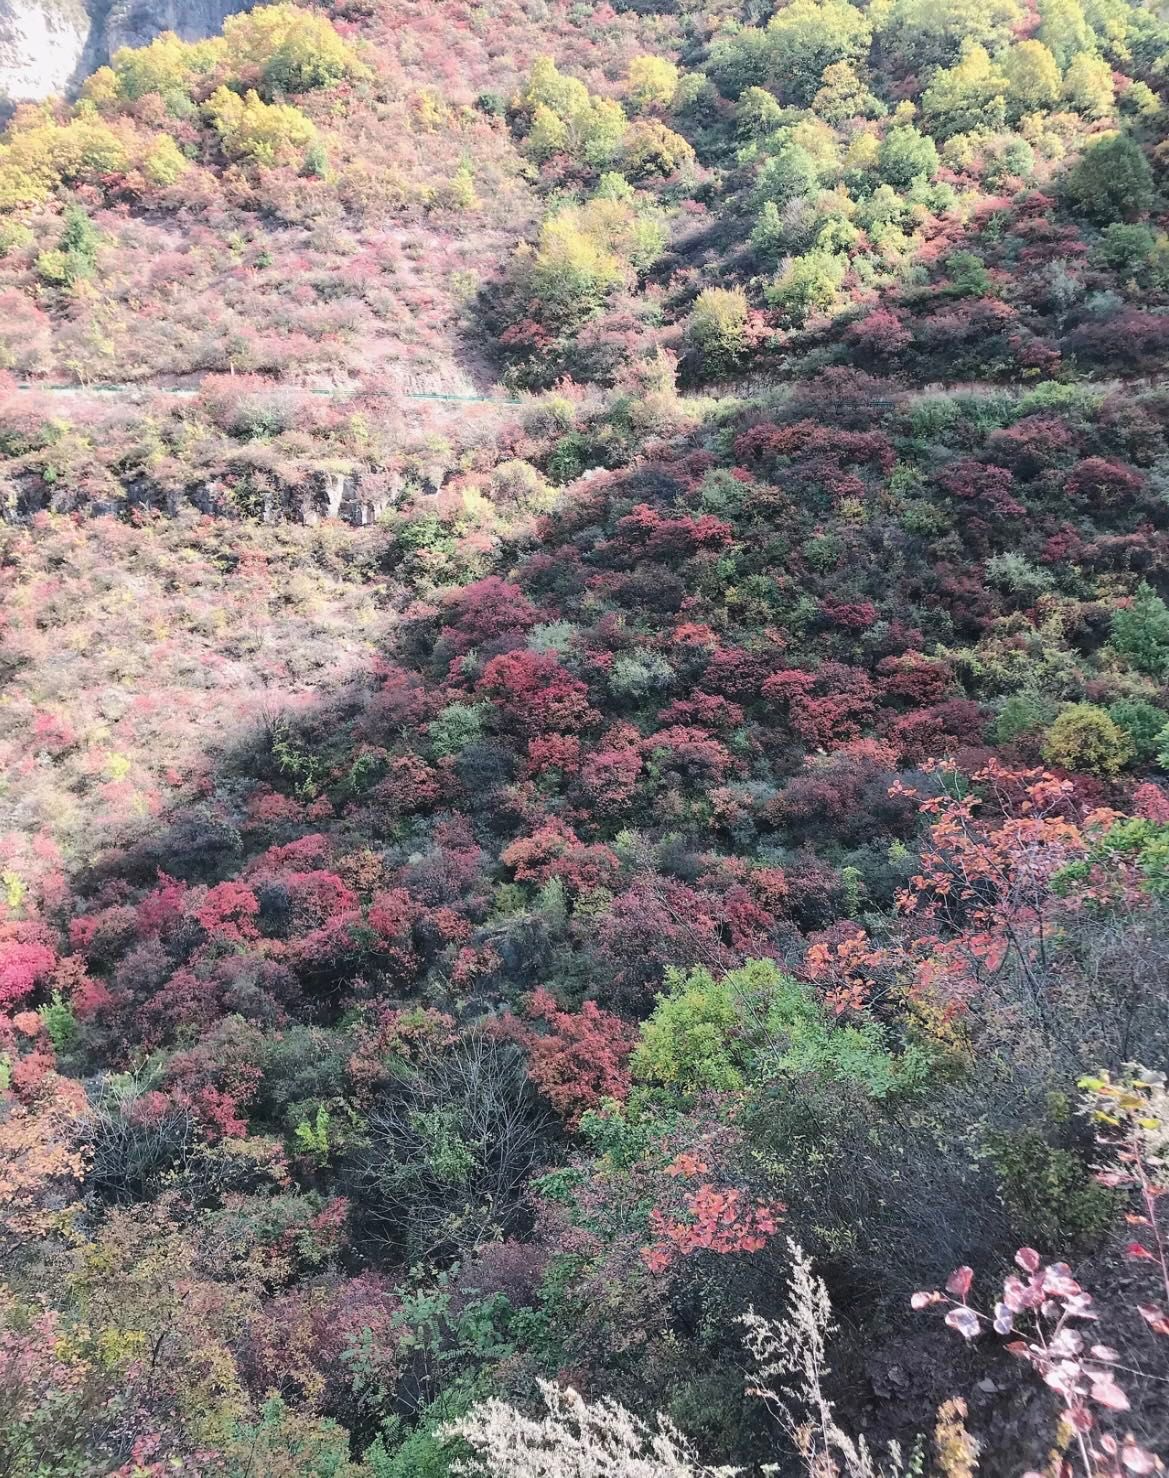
{"x": 479, "y": 875}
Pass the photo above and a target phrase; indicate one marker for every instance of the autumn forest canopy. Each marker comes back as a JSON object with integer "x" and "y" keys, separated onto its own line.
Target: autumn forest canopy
{"x": 584, "y": 745}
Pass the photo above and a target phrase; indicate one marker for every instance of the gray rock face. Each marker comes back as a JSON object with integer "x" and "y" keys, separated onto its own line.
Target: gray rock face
{"x": 137, "y": 22}
{"x": 51, "y": 46}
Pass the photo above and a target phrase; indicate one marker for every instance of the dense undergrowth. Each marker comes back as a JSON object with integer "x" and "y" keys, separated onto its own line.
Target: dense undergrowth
{"x": 715, "y": 818}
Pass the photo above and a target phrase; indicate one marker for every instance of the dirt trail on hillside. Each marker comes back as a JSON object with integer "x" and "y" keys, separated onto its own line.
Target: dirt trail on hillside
{"x": 115, "y": 390}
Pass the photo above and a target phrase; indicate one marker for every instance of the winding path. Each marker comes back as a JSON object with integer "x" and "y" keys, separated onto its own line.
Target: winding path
{"x": 116, "y": 391}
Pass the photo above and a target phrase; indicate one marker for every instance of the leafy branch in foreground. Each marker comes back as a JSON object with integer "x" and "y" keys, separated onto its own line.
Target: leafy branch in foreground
{"x": 1046, "y": 1308}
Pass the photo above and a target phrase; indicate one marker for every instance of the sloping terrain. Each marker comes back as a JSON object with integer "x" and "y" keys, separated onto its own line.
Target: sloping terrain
{"x": 584, "y": 739}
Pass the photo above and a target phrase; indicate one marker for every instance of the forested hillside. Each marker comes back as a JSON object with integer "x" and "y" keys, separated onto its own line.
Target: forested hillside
{"x": 584, "y": 745}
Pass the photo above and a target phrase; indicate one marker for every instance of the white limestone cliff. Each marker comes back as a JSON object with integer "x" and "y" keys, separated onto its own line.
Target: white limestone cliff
{"x": 42, "y": 46}
{"x": 50, "y": 46}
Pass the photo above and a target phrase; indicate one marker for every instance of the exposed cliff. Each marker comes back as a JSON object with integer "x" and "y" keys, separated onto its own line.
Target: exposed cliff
{"x": 49, "y": 46}
{"x": 43, "y": 45}
{"x": 135, "y": 22}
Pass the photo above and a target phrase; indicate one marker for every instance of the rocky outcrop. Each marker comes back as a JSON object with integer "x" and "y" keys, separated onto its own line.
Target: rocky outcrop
{"x": 346, "y": 495}
{"x": 51, "y": 46}
{"x": 136, "y": 22}
{"x": 43, "y": 44}
{"x": 355, "y": 497}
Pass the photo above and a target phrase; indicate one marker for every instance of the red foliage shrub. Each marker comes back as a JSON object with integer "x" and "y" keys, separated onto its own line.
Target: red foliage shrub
{"x": 399, "y": 702}
{"x": 1151, "y": 802}
{"x": 827, "y": 707}
{"x": 747, "y": 922}
{"x": 485, "y": 612}
{"x": 50, "y": 732}
{"x": 837, "y": 718}
{"x": 647, "y": 534}
{"x": 333, "y": 946}
{"x": 86, "y": 995}
{"x": 228, "y": 912}
{"x": 1033, "y": 444}
{"x": 1131, "y": 340}
{"x": 1102, "y": 483}
{"x": 317, "y": 897}
{"x": 881, "y": 335}
{"x": 844, "y": 796}
{"x": 734, "y": 673}
{"x": 715, "y": 1220}
{"x": 555, "y": 851}
{"x": 857, "y": 448}
{"x": 27, "y": 957}
{"x": 984, "y": 484}
{"x": 690, "y": 753}
{"x": 702, "y": 710}
{"x": 410, "y": 785}
{"x": 103, "y": 935}
{"x": 262, "y": 990}
{"x": 657, "y": 922}
{"x": 560, "y": 752}
{"x": 269, "y": 808}
{"x": 163, "y": 908}
{"x": 824, "y": 445}
{"x": 218, "y": 1112}
{"x": 848, "y": 615}
{"x": 301, "y": 1342}
{"x": 392, "y": 916}
{"x": 976, "y": 323}
{"x": 575, "y": 1060}
{"x": 32, "y": 1074}
{"x": 609, "y": 774}
{"x": 534, "y": 694}
{"x": 187, "y": 1002}
{"x": 935, "y": 731}
{"x": 305, "y": 852}
{"x": 913, "y": 679}
{"x": 766, "y": 443}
